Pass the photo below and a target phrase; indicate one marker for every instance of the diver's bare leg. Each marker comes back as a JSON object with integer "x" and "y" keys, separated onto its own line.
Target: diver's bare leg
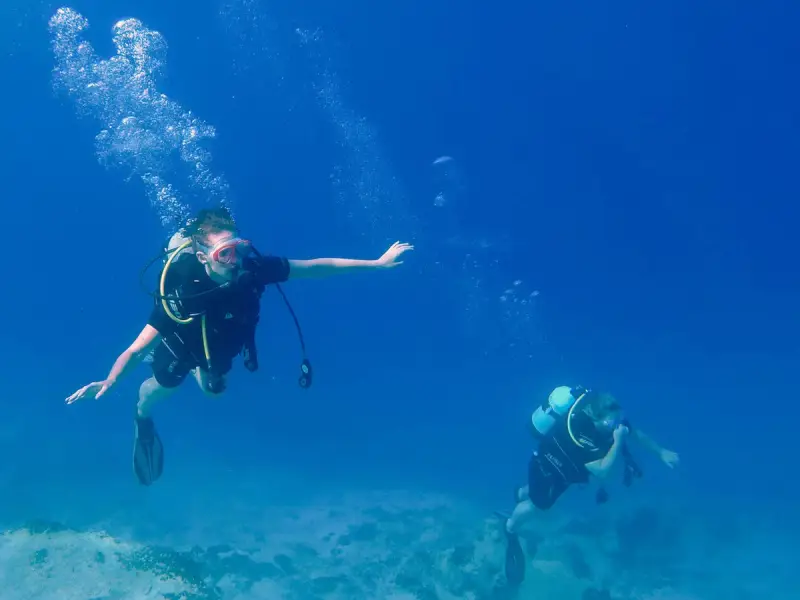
{"x": 150, "y": 394}
{"x": 522, "y": 493}
{"x": 523, "y": 511}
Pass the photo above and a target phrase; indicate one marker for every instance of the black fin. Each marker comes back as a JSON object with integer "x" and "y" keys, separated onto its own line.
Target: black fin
{"x": 148, "y": 452}
{"x": 515, "y": 560}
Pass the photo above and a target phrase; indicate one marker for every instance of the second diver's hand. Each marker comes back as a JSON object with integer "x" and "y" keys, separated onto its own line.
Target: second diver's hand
{"x": 94, "y": 390}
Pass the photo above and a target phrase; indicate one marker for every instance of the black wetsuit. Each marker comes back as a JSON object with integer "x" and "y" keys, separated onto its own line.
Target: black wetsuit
{"x": 232, "y": 313}
{"x": 559, "y": 462}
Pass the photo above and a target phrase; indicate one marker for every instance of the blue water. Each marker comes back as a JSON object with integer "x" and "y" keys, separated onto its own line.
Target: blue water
{"x": 616, "y": 206}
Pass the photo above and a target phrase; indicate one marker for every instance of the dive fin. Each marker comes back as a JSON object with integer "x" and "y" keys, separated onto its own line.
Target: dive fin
{"x": 631, "y": 470}
{"x": 515, "y": 560}
{"x": 148, "y": 452}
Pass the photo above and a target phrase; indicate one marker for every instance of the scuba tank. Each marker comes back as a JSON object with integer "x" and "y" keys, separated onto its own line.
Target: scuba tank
{"x": 559, "y": 403}
{"x": 178, "y": 239}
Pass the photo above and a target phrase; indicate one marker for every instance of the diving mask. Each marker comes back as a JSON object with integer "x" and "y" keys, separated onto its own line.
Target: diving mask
{"x": 611, "y": 422}
{"x": 231, "y": 251}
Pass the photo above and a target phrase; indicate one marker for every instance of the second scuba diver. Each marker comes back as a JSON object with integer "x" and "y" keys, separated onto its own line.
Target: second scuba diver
{"x": 205, "y": 314}
{"x": 581, "y": 433}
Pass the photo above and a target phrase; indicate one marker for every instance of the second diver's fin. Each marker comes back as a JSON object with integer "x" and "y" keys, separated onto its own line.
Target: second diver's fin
{"x": 631, "y": 469}
{"x": 148, "y": 452}
{"x": 630, "y": 472}
{"x": 515, "y": 560}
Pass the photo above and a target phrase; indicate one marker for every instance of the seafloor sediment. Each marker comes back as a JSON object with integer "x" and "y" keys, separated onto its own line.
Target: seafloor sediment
{"x": 403, "y": 546}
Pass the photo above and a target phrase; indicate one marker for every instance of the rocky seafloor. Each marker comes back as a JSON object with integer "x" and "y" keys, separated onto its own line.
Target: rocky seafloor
{"x": 405, "y": 547}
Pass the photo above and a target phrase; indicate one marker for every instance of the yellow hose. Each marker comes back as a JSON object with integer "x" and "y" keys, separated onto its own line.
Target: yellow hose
{"x": 205, "y": 341}
{"x": 169, "y": 312}
{"x": 569, "y": 419}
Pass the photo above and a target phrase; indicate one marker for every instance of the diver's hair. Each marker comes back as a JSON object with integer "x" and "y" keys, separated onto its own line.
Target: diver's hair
{"x": 603, "y": 404}
{"x": 210, "y": 221}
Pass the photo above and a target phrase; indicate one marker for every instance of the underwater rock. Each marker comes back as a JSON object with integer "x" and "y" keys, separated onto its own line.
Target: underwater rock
{"x": 305, "y": 552}
{"x": 427, "y": 593}
{"x": 324, "y": 585}
{"x": 415, "y": 585}
{"x": 39, "y": 526}
{"x": 468, "y": 585}
{"x": 366, "y": 532}
{"x": 244, "y": 566}
{"x": 407, "y": 581}
{"x": 285, "y": 563}
{"x": 39, "y": 557}
{"x": 646, "y": 541}
{"x": 327, "y": 585}
{"x": 201, "y": 568}
{"x": 166, "y": 562}
{"x": 595, "y": 594}
{"x": 410, "y": 582}
{"x": 576, "y": 560}
{"x": 462, "y": 555}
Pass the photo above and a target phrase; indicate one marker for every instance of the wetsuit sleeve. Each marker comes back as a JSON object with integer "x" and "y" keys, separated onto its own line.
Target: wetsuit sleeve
{"x": 159, "y": 320}
{"x": 269, "y": 269}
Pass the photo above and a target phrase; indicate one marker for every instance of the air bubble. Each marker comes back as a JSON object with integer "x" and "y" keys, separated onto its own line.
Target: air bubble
{"x": 145, "y": 134}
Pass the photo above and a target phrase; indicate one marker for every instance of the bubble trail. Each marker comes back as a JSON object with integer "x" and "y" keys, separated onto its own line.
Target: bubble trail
{"x": 145, "y": 133}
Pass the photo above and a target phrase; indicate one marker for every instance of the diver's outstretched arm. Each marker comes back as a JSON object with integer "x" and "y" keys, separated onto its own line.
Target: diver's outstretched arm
{"x": 125, "y": 362}
{"x": 322, "y": 267}
{"x": 668, "y": 457}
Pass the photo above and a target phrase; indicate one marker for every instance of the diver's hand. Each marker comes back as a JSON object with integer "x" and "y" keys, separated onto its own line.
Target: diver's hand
{"x": 619, "y": 433}
{"x": 92, "y": 391}
{"x": 389, "y": 258}
{"x": 669, "y": 458}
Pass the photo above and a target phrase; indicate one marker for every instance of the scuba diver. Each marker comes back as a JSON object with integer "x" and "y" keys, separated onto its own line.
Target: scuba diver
{"x": 205, "y": 314}
{"x": 581, "y": 433}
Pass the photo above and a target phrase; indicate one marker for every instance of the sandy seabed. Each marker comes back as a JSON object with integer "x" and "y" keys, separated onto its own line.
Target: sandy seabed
{"x": 392, "y": 545}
